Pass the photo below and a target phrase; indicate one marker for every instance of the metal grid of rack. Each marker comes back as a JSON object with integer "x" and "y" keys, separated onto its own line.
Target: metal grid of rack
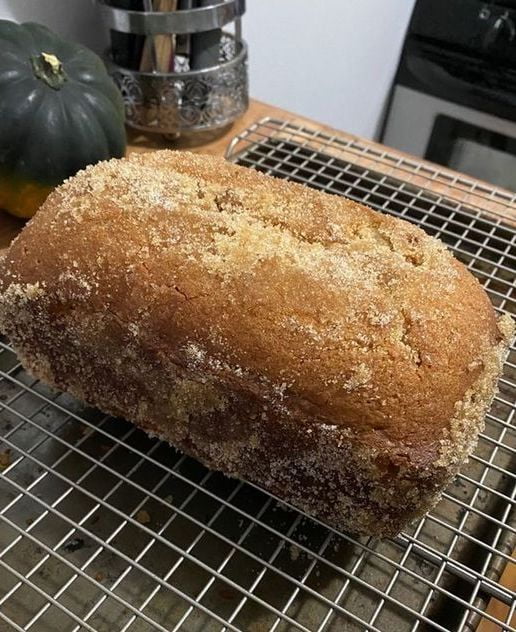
{"x": 105, "y": 529}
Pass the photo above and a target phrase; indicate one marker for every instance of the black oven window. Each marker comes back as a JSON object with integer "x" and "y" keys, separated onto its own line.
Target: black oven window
{"x": 473, "y": 150}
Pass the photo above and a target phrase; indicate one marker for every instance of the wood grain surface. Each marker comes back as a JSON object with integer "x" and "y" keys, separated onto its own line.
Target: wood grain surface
{"x": 215, "y": 143}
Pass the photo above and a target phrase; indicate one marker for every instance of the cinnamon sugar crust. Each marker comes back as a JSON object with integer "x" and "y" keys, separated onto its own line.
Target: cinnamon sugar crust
{"x": 338, "y": 357}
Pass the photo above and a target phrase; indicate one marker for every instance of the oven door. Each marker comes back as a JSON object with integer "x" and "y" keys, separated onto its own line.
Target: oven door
{"x": 476, "y": 143}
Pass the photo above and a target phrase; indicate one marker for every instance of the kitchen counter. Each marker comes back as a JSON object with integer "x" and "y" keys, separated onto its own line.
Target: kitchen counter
{"x": 213, "y": 143}
{"x": 216, "y": 144}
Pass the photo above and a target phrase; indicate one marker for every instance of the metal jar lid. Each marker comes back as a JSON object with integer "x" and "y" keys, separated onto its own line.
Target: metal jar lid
{"x": 184, "y": 21}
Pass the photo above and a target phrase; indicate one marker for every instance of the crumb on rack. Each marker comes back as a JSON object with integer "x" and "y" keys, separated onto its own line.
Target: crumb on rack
{"x": 143, "y": 516}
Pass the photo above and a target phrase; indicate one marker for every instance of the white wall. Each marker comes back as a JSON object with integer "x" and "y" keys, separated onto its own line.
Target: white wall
{"x": 332, "y": 60}
{"x": 74, "y": 19}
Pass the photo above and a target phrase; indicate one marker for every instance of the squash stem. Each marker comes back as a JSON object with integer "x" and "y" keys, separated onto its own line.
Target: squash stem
{"x": 48, "y": 68}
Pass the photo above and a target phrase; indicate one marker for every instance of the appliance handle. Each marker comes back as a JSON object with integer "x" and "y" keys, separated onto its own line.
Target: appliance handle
{"x": 503, "y": 25}
{"x": 429, "y": 73}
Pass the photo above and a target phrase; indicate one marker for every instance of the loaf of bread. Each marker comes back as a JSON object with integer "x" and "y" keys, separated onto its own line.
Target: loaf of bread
{"x": 335, "y": 356}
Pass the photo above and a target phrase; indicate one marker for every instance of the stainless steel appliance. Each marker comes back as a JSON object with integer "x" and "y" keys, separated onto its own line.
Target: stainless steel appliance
{"x": 454, "y": 96}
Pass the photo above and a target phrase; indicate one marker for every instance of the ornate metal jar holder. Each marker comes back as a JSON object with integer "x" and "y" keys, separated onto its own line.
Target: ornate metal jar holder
{"x": 208, "y": 87}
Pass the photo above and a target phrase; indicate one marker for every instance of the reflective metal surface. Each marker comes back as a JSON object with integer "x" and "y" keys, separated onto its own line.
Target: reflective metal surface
{"x": 185, "y": 21}
{"x": 190, "y": 100}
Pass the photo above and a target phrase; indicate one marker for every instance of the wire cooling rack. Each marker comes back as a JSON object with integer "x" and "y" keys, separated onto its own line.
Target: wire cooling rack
{"x": 104, "y": 529}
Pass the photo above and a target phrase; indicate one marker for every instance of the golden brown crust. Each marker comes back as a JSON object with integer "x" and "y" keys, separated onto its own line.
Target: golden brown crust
{"x": 339, "y": 357}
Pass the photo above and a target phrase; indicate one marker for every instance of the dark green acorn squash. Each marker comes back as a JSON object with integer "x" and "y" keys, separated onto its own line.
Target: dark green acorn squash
{"x": 59, "y": 111}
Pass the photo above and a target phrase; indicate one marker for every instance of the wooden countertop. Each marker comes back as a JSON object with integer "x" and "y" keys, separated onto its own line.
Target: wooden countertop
{"x": 216, "y": 144}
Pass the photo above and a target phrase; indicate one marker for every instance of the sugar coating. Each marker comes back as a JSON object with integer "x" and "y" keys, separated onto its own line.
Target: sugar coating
{"x": 338, "y": 357}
